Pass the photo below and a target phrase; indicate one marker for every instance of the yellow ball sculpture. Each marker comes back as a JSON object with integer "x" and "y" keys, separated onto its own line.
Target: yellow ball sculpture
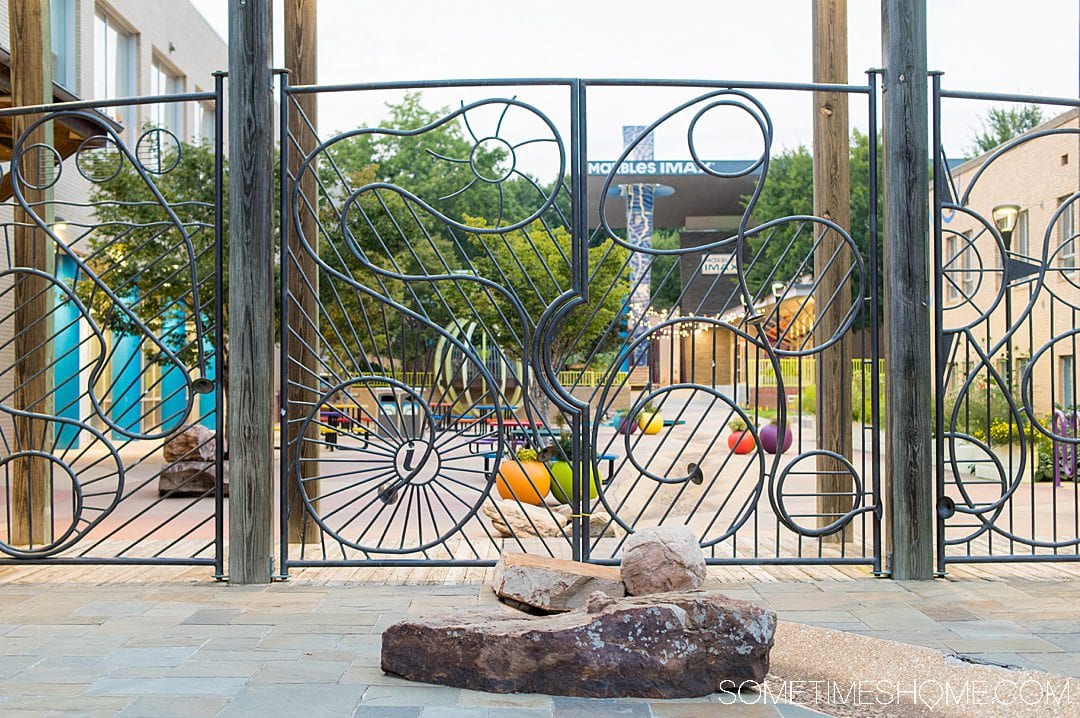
{"x": 650, "y": 422}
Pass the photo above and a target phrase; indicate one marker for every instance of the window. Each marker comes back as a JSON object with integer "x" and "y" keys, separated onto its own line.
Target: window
{"x": 205, "y": 122}
{"x": 62, "y": 19}
{"x": 169, "y": 115}
{"x": 1066, "y": 236}
{"x": 1021, "y": 239}
{"x": 1068, "y": 383}
{"x": 1022, "y": 364}
{"x": 114, "y": 66}
{"x": 967, "y": 262}
{"x": 952, "y": 291}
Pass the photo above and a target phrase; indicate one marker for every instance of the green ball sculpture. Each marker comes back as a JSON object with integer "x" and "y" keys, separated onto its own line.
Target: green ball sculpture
{"x": 562, "y": 487}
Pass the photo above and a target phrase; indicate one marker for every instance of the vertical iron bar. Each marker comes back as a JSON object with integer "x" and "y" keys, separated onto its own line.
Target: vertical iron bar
{"x": 939, "y": 314}
{"x": 579, "y": 283}
{"x": 875, "y": 329}
{"x": 219, "y": 321}
{"x": 284, "y": 224}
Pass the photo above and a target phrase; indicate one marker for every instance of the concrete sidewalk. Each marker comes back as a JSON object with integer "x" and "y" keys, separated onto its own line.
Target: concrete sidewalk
{"x": 209, "y": 649}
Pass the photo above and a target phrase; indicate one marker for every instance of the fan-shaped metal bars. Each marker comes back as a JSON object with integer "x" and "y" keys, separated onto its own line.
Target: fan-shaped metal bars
{"x": 431, "y": 333}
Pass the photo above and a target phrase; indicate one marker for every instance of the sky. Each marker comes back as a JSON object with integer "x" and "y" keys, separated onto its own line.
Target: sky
{"x": 1008, "y": 46}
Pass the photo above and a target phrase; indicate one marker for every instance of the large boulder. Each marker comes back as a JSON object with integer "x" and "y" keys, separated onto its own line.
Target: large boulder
{"x": 552, "y": 584}
{"x": 676, "y": 645}
{"x": 193, "y": 443}
{"x": 661, "y": 559}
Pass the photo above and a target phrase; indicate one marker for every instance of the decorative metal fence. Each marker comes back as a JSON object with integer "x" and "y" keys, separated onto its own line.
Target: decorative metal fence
{"x": 1007, "y": 305}
{"x": 563, "y": 404}
{"x": 111, "y": 335}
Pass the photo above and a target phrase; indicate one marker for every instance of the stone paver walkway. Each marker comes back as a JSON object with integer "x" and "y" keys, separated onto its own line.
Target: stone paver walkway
{"x": 183, "y": 649}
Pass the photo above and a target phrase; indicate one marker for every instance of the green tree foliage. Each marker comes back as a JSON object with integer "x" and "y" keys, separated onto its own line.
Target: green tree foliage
{"x": 442, "y": 166}
{"x": 665, "y": 279}
{"x": 786, "y": 254}
{"x": 1001, "y": 124}
{"x": 367, "y": 223}
{"x": 534, "y": 263}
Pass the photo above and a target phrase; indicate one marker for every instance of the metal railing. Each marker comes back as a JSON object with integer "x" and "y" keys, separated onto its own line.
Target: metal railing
{"x": 802, "y": 371}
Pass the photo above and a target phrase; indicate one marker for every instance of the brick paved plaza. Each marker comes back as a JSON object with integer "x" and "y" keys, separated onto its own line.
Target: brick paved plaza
{"x": 112, "y": 641}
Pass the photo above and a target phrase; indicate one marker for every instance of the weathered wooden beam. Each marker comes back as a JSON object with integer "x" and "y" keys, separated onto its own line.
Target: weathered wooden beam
{"x": 251, "y": 287}
{"x": 832, "y": 263}
{"x": 31, "y": 499}
{"x": 301, "y": 44}
{"x": 908, "y": 469}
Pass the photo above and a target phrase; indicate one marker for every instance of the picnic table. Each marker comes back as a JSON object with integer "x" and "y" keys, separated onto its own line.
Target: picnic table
{"x": 343, "y": 418}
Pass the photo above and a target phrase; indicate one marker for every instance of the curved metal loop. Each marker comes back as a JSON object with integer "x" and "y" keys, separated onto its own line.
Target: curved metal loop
{"x": 755, "y": 109}
{"x": 776, "y": 496}
{"x": 548, "y": 200}
{"x": 85, "y": 269}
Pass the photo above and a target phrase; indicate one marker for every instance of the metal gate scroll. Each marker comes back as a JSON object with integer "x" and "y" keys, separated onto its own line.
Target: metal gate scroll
{"x": 1007, "y": 311}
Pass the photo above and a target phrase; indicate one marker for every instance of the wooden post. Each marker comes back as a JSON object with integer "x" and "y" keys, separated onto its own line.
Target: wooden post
{"x": 251, "y": 291}
{"x": 832, "y": 262}
{"x": 31, "y": 70}
{"x": 301, "y": 43}
{"x": 908, "y": 470}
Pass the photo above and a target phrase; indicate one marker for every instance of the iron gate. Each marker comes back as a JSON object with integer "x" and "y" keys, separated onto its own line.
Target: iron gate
{"x": 484, "y": 358}
{"x": 1006, "y": 337}
{"x": 110, "y": 328}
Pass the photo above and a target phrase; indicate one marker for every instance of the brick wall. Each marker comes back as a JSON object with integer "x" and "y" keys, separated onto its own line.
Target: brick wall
{"x": 1034, "y": 176}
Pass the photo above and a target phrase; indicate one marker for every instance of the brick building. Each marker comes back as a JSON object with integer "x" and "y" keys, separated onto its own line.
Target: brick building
{"x": 1041, "y": 175}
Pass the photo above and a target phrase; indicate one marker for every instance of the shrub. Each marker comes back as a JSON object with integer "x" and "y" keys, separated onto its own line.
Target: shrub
{"x": 862, "y": 406}
{"x": 980, "y": 409}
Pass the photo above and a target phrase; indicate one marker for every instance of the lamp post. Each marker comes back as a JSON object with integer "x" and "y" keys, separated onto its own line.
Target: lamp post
{"x": 1005, "y": 220}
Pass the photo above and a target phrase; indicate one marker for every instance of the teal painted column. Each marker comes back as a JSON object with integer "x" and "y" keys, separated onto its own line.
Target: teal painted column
{"x": 174, "y": 392}
{"x": 66, "y": 337}
{"x": 126, "y": 383}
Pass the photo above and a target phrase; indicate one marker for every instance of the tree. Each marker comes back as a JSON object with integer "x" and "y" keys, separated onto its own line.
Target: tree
{"x": 381, "y": 227}
{"x": 1003, "y": 124}
{"x": 140, "y": 252}
{"x": 786, "y": 253}
{"x": 665, "y": 279}
{"x": 535, "y": 264}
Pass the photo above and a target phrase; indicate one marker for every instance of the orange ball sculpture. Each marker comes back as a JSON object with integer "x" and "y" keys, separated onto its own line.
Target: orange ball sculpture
{"x": 523, "y": 479}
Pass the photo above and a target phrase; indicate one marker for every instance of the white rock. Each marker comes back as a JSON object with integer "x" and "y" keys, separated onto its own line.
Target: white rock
{"x": 661, "y": 559}
{"x": 510, "y": 519}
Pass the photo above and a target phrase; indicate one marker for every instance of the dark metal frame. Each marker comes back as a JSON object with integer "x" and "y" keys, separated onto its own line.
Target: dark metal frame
{"x": 972, "y": 530}
{"x": 81, "y": 543}
{"x": 750, "y": 330}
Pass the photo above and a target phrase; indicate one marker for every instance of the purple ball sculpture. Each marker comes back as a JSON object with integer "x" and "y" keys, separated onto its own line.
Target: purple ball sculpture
{"x": 768, "y": 436}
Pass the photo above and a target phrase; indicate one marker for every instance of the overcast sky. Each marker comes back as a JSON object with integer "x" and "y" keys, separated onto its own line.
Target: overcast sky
{"x": 994, "y": 45}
